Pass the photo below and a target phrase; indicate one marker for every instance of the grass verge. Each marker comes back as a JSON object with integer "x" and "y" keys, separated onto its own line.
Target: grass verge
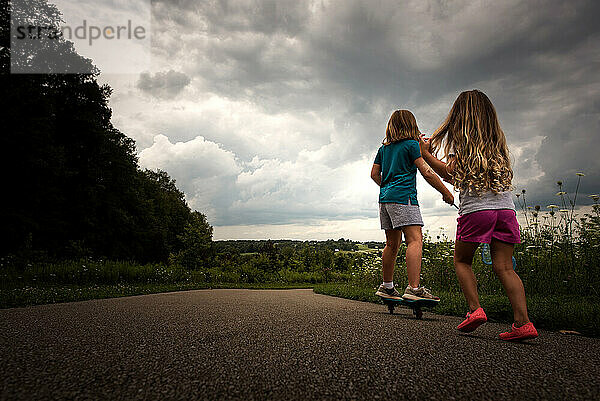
{"x": 38, "y": 294}
{"x": 547, "y": 312}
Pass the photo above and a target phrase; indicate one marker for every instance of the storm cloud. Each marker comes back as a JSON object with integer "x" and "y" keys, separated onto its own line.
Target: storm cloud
{"x": 163, "y": 84}
{"x": 294, "y": 96}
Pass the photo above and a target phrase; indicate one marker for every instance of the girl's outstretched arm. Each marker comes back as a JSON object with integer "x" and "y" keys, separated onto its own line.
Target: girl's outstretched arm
{"x": 438, "y": 166}
{"x": 376, "y": 174}
{"x": 434, "y": 180}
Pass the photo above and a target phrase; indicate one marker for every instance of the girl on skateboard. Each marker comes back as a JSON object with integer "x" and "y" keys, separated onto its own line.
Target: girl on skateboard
{"x": 478, "y": 165}
{"x": 394, "y": 170}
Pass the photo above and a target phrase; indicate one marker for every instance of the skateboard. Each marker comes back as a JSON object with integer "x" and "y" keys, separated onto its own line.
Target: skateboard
{"x": 414, "y": 305}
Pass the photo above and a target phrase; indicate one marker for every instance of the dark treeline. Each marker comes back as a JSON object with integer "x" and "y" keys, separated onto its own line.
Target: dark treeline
{"x": 286, "y": 261}
{"x": 72, "y": 182}
{"x": 254, "y": 246}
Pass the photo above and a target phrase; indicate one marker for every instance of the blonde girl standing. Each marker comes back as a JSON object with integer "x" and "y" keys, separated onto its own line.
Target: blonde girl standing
{"x": 478, "y": 165}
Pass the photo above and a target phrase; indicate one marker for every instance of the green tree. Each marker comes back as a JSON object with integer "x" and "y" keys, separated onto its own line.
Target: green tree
{"x": 162, "y": 215}
{"x": 196, "y": 241}
{"x": 74, "y": 185}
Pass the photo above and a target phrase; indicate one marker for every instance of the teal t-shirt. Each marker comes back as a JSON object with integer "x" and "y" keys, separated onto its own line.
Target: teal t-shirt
{"x": 398, "y": 171}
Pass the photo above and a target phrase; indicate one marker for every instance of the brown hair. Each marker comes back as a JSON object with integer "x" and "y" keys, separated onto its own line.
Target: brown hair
{"x": 402, "y": 125}
{"x": 472, "y": 133}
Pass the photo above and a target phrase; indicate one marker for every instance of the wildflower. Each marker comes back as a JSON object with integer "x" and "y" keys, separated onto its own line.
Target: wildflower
{"x": 594, "y": 197}
{"x": 523, "y": 191}
{"x": 537, "y": 207}
{"x": 580, "y": 174}
{"x": 559, "y": 183}
{"x": 518, "y": 195}
{"x": 564, "y": 210}
{"x": 552, "y": 207}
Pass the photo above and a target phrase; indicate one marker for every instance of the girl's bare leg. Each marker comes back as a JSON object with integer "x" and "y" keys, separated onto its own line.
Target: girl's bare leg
{"x": 414, "y": 252}
{"x": 393, "y": 238}
{"x": 463, "y": 259}
{"x": 502, "y": 264}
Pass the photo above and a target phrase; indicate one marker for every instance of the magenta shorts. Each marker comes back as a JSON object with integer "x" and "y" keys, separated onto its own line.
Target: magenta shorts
{"x": 484, "y": 225}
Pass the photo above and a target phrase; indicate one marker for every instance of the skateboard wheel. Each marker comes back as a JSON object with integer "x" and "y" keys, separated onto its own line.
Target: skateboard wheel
{"x": 419, "y": 314}
{"x": 391, "y": 309}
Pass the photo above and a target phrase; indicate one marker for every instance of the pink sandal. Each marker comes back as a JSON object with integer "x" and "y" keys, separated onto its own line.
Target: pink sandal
{"x": 524, "y": 332}
{"x": 474, "y": 320}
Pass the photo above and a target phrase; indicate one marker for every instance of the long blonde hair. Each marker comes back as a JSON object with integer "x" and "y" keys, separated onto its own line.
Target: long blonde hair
{"x": 402, "y": 125}
{"x": 472, "y": 132}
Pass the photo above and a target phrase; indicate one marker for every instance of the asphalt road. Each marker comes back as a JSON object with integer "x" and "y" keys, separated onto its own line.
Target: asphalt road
{"x": 276, "y": 345}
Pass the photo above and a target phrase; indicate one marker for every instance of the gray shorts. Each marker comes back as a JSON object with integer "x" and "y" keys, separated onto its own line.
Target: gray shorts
{"x": 396, "y": 215}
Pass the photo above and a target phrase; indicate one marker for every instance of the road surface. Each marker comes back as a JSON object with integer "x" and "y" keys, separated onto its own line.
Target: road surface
{"x": 276, "y": 345}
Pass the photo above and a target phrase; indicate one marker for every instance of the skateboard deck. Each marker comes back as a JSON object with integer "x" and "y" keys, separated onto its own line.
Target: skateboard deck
{"x": 414, "y": 305}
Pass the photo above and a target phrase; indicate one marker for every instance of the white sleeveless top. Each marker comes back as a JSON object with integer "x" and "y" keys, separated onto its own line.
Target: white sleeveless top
{"x": 487, "y": 201}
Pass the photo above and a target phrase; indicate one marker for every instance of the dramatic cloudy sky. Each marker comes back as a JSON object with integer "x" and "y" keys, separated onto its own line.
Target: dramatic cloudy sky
{"x": 269, "y": 113}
